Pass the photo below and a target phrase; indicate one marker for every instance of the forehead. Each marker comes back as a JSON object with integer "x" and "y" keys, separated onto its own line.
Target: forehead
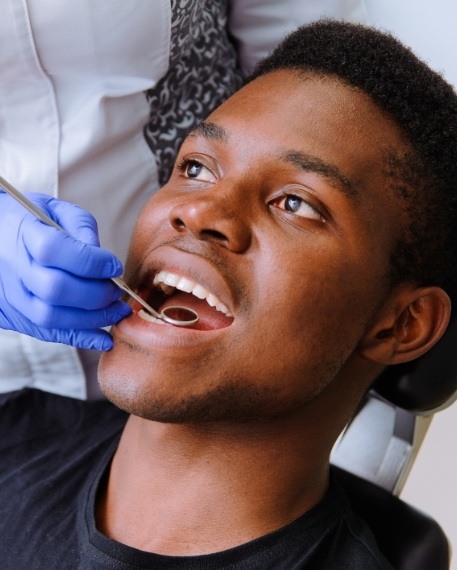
{"x": 287, "y": 111}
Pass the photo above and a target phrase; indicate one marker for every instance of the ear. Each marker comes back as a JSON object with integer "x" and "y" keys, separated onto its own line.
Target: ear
{"x": 411, "y": 321}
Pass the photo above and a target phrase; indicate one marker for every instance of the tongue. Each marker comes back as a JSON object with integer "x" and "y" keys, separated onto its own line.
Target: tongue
{"x": 208, "y": 317}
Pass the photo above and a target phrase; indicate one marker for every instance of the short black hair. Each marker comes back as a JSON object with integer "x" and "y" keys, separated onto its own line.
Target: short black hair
{"x": 424, "y": 106}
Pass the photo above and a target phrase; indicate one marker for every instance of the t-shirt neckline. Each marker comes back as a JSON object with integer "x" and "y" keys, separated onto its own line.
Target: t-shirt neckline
{"x": 116, "y": 554}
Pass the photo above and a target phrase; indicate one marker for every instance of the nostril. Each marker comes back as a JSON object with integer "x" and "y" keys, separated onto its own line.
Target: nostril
{"x": 203, "y": 233}
{"x": 210, "y": 220}
{"x": 178, "y": 223}
{"x": 213, "y": 234}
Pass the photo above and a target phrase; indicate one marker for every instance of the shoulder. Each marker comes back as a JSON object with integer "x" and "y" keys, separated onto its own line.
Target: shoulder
{"x": 31, "y": 414}
{"x": 353, "y": 540}
{"x": 331, "y": 536}
{"x": 52, "y": 449}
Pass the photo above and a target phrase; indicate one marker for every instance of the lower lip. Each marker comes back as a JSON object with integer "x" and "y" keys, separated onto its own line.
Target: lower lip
{"x": 151, "y": 335}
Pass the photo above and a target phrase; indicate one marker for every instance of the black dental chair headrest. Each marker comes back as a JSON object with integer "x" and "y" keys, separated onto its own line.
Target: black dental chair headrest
{"x": 426, "y": 383}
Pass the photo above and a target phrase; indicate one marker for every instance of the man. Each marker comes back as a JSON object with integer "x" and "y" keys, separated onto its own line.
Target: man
{"x": 309, "y": 221}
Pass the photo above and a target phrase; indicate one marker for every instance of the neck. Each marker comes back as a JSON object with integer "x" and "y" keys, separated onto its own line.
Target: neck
{"x": 188, "y": 490}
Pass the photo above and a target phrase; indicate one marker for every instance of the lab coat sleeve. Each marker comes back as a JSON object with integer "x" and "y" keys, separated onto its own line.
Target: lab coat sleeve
{"x": 259, "y": 25}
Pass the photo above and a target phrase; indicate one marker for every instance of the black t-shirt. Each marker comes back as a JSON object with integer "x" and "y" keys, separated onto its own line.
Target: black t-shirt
{"x": 53, "y": 453}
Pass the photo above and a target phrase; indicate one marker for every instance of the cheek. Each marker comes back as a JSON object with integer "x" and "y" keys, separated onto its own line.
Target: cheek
{"x": 312, "y": 319}
{"x": 149, "y": 225}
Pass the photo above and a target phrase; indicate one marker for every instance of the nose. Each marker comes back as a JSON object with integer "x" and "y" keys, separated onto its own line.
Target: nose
{"x": 212, "y": 219}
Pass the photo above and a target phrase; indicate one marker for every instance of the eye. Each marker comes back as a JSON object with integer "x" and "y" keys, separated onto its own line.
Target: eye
{"x": 195, "y": 170}
{"x": 298, "y": 206}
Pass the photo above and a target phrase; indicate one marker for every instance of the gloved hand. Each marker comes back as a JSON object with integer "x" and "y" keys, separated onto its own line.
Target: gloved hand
{"x": 54, "y": 285}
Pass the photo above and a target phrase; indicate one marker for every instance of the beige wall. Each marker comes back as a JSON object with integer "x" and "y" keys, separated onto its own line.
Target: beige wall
{"x": 432, "y": 483}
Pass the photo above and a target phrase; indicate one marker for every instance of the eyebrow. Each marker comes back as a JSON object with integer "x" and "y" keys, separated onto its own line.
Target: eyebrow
{"x": 329, "y": 171}
{"x": 304, "y": 161}
{"x": 209, "y": 130}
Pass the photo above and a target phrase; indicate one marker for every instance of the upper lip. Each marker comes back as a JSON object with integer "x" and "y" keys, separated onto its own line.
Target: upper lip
{"x": 189, "y": 265}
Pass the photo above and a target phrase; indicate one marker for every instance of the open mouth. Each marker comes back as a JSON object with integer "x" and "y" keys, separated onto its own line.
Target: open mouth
{"x": 170, "y": 290}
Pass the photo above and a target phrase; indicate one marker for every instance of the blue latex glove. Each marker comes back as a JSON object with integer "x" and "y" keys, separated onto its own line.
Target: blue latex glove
{"x": 54, "y": 285}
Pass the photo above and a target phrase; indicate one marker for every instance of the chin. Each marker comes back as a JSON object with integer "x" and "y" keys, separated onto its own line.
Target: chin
{"x": 155, "y": 399}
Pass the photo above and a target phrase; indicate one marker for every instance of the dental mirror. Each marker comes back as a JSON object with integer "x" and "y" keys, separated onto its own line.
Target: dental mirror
{"x": 189, "y": 316}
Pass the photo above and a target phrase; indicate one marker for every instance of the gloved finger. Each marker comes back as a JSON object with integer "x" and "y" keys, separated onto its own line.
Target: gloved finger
{"x": 54, "y": 248}
{"x": 57, "y": 287}
{"x": 52, "y": 316}
{"x": 74, "y": 220}
{"x": 97, "y": 339}
{"x": 77, "y": 222}
{"x": 88, "y": 339}
{"x": 92, "y": 340}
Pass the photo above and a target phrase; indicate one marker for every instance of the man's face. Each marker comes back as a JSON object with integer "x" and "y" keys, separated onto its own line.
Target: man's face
{"x": 279, "y": 208}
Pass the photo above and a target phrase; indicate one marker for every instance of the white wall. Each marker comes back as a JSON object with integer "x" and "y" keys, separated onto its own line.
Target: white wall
{"x": 432, "y": 483}
{"x": 428, "y": 28}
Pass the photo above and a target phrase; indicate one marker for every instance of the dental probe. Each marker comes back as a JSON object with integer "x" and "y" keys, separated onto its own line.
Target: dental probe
{"x": 193, "y": 316}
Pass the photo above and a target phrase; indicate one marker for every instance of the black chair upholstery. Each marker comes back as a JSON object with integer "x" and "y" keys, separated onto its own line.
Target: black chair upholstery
{"x": 409, "y": 539}
{"x": 426, "y": 383}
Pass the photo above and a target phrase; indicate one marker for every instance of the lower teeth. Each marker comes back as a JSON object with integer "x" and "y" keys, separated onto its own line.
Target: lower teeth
{"x": 148, "y": 317}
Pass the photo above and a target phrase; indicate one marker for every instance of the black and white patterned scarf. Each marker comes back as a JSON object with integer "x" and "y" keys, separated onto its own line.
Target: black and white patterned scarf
{"x": 203, "y": 72}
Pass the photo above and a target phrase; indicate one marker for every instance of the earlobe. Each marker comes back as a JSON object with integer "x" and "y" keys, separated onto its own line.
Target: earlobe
{"x": 408, "y": 325}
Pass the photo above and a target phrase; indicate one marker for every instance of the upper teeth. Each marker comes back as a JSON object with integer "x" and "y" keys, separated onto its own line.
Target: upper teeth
{"x": 168, "y": 282}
